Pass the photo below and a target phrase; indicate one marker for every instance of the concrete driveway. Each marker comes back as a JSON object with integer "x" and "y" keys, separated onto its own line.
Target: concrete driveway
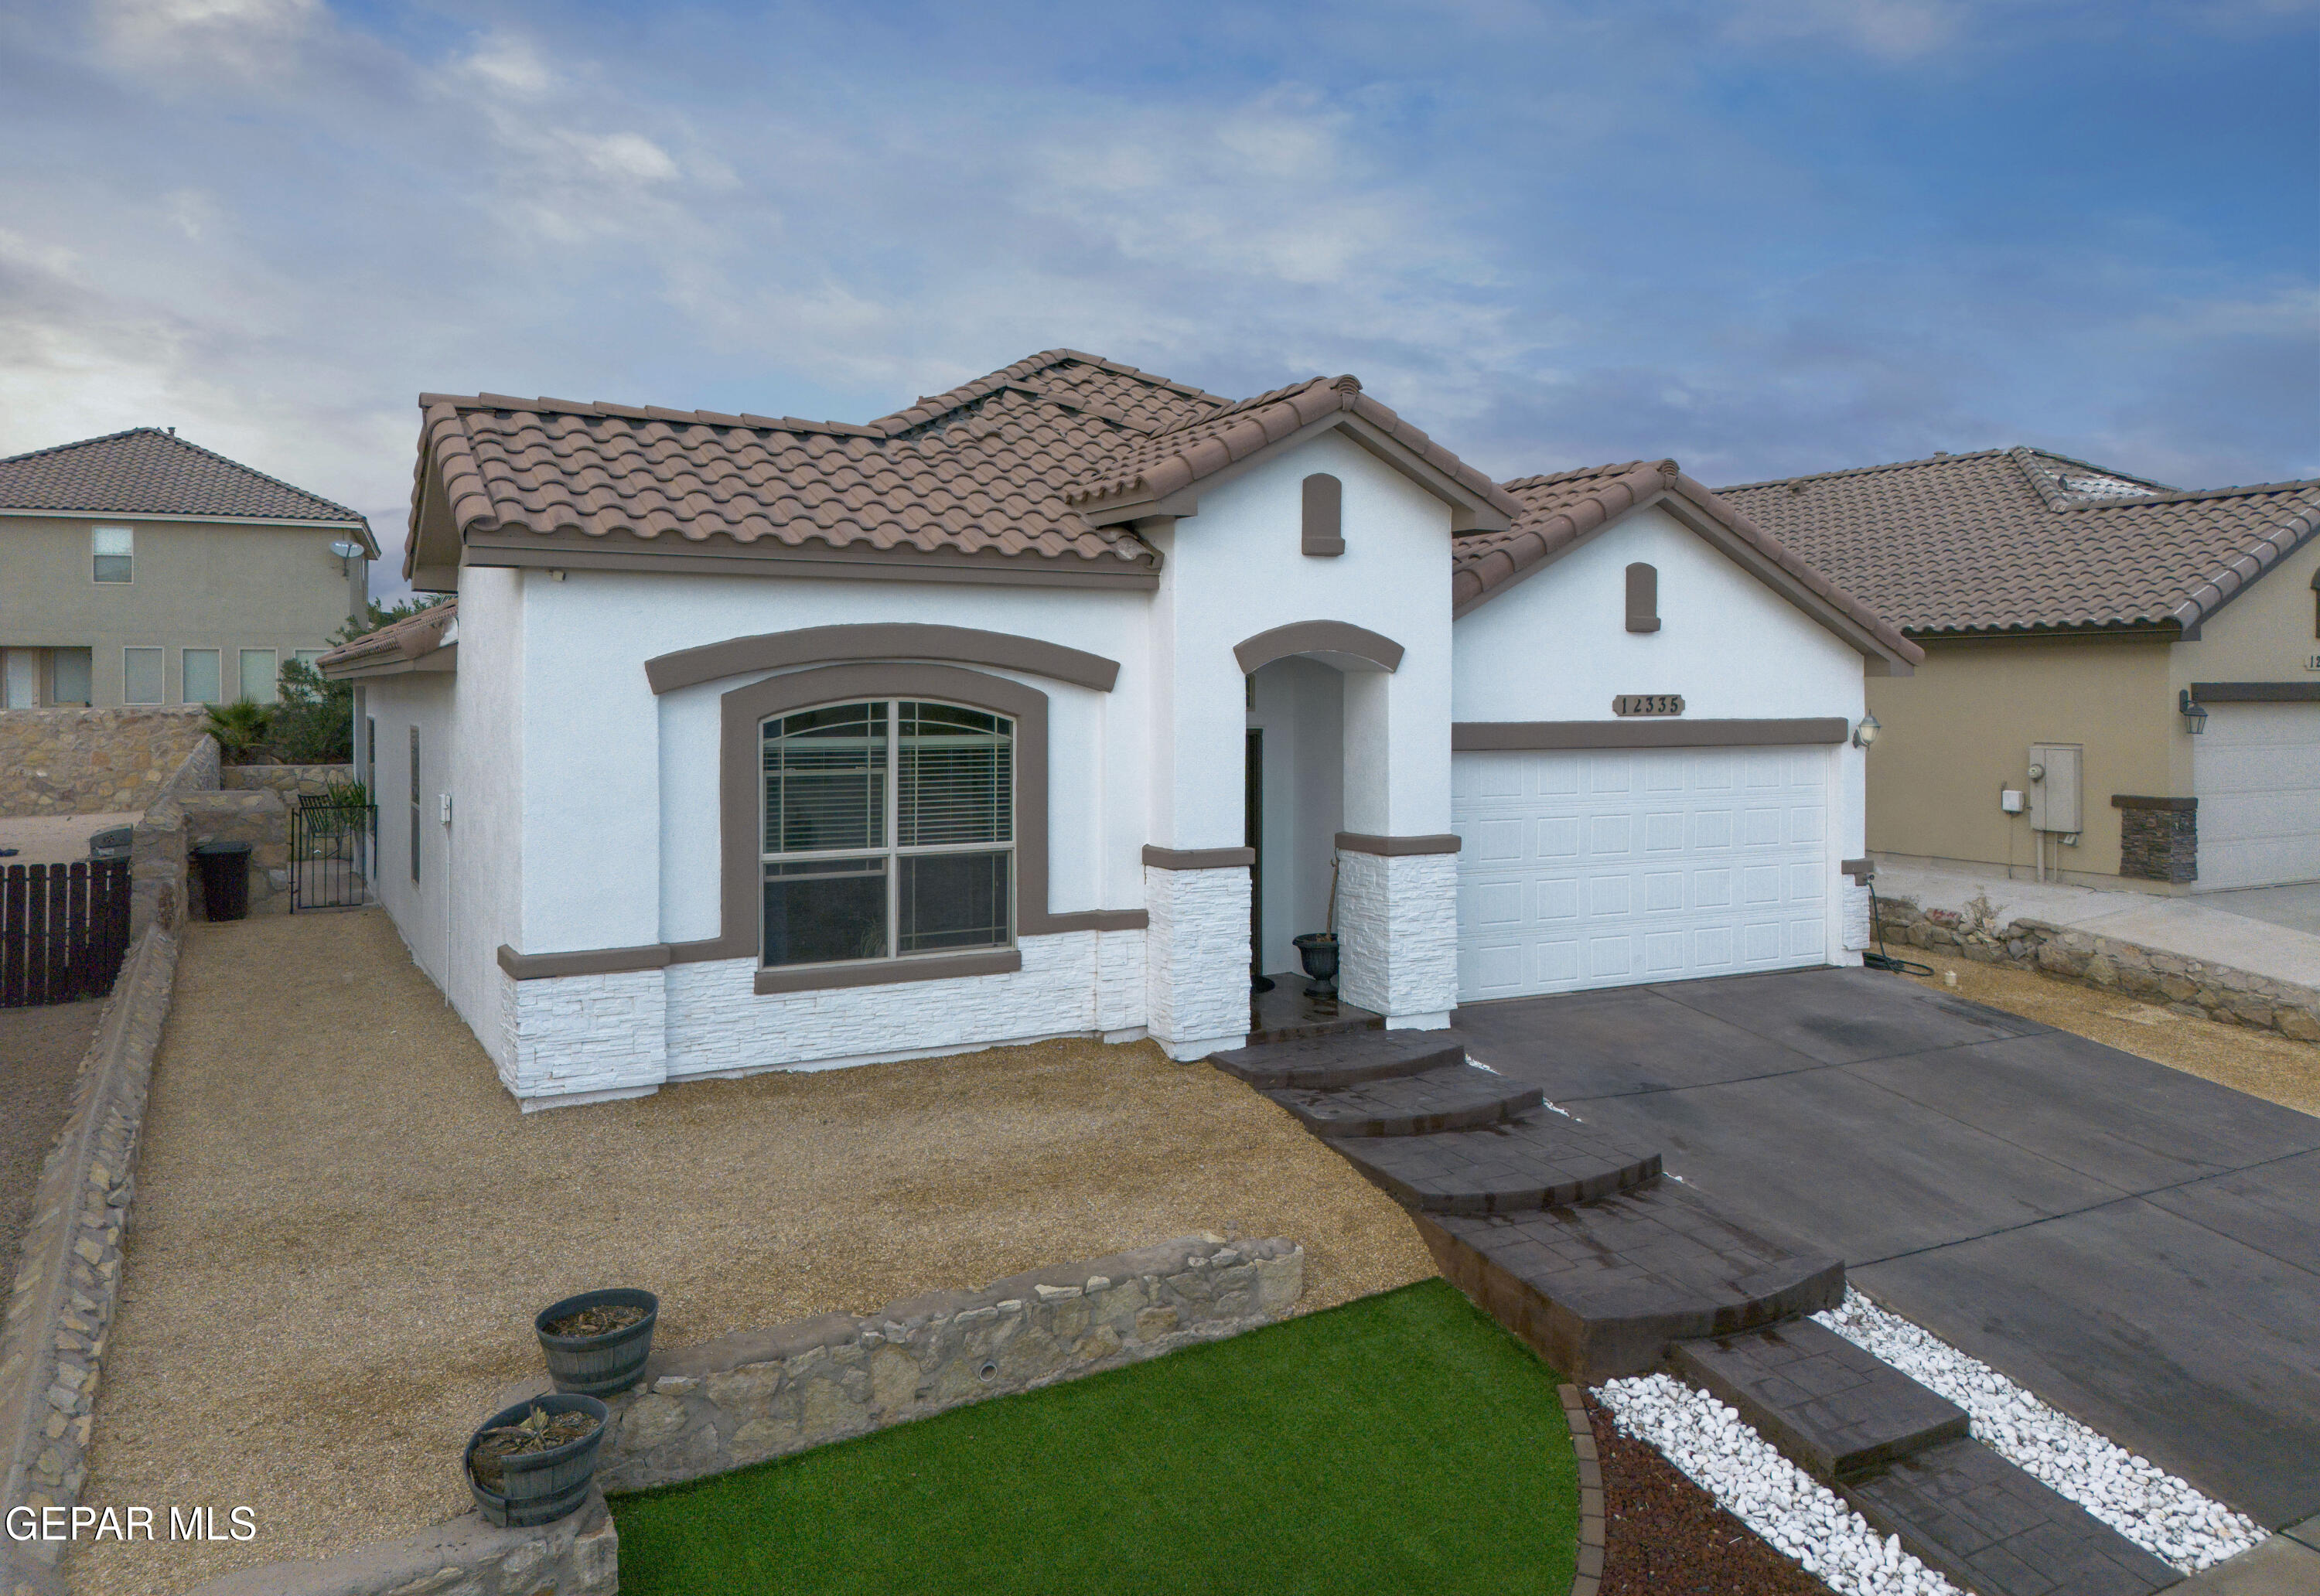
{"x": 2139, "y": 1247}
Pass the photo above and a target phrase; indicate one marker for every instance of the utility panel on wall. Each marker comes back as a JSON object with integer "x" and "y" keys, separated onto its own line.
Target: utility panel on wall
{"x": 2054, "y": 787}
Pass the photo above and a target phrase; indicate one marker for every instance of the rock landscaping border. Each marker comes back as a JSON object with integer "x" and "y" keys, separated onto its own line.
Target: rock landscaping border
{"x": 1586, "y": 1578}
{"x": 756, "y": 1394}
{"x": 61, "y": 1304}
{"x": 2187, "y": 986}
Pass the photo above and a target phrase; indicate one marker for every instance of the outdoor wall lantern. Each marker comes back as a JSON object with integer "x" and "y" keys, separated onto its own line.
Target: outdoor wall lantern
{"x": 1866, "y": 733}
{"x": 2195, "y": 714}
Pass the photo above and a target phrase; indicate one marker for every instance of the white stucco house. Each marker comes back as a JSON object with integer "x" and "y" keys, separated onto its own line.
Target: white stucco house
{"x": 1049, "y": 706}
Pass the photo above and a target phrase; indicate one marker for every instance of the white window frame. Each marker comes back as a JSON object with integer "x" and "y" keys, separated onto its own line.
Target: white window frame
{"x": 241, "y": 676}
{"x": 186, "y": 676}
{"x": 894, "y": 851}
{"x": 162, "y": 657}
{"x": 128, "y": 552}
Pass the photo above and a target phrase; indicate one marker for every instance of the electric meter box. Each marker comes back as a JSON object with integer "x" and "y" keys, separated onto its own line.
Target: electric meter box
{"x": 2054, "y": 795}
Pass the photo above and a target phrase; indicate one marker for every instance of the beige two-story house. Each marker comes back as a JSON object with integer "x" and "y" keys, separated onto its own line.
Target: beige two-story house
{"x": 140, "y": 569}
{"x": 2122, "y": 679}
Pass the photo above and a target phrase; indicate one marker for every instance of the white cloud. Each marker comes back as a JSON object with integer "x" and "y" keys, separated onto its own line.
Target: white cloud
{"x": 1889, "y": 30}
{"x": 242, "y": 38}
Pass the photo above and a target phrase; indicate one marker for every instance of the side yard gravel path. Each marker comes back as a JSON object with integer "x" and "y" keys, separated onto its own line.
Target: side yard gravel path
{"x": 343, "y": 1223}
{"x": 41, "y": 1051}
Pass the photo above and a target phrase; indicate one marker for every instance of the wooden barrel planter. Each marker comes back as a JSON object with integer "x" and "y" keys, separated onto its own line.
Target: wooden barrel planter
{"x": 538, "y": 1487}
{"x": 602, "y": 1364}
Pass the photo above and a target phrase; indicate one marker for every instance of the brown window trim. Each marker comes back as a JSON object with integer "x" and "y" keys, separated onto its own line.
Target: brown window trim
{"x": 1477, "y": 737}
{"x": 886, "y": 971}
{"x": 2255, "y": 691}
{"x": 1324, "y": 515}
{"x": 839, "y": 645}
{"x": 1317, "y": 637}
{"x": 1397, "y": 848}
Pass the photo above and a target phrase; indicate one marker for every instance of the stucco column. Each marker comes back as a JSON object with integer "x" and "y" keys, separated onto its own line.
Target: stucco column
{"x": 1196, "y": 950}
{"x": 1398, "y": 928}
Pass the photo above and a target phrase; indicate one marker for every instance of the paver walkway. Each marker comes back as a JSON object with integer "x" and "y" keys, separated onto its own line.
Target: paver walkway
{"x": 2262, "y": 940}
{"x": 2138, "y": 1247}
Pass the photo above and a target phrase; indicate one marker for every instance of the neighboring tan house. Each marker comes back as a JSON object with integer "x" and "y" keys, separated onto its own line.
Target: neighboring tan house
{"x": 140, "y": 569}
{"x": 1058, "y": 704}
{"x": 2161, "y": 646}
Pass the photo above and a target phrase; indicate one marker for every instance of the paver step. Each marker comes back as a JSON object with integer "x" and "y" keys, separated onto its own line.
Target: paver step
{"x": 1835, "y": 1410}
{"x": 1449, "y": 1099}
{"x": 1989, "y": 1526}
{"x": 1601, "y": 1288}
{"x": 1343, "y": 1058}
{"x": 1542, "y": 1160}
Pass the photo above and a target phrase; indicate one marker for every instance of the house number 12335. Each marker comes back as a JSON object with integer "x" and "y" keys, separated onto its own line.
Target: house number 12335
{"x": 1648, "y": 704}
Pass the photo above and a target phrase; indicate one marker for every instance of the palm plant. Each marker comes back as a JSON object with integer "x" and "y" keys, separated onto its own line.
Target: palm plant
{"x": 240, "y": 727}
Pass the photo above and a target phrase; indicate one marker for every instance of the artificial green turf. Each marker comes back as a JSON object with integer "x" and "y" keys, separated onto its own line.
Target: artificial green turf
{"x": 1403, "y": 1442}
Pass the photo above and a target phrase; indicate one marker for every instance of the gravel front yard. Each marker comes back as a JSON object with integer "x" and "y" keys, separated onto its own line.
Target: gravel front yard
{"x": 343, "y": 1223}
{"x": 41, "y": 1051}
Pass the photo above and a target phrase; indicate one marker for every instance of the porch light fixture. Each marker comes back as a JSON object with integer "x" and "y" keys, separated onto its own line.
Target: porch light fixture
{"x": 2194, "y": 713}
{"x": 1866, "y": 733}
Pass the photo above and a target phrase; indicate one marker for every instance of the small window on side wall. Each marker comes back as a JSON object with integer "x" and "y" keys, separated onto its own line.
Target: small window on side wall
{"x": 1643, "y": 597}
{"x": 112, "y": 549}
{"x": 1324, "y": 515}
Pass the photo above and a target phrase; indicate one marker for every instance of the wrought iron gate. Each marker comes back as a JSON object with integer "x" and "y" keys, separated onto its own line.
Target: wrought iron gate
{"x": 333, "y": 844}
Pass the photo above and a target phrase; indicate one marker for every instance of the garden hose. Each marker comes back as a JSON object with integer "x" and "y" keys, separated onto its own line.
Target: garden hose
{"x": 1881, "y": 959}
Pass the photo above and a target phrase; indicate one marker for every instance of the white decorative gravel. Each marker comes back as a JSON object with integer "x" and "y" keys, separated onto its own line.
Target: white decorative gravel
{"x": 2165, "y": 1516}
{"x": 1764, "y": 1491}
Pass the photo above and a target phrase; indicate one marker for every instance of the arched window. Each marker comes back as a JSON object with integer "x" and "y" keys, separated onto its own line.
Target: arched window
{"x": 887, "y": 830}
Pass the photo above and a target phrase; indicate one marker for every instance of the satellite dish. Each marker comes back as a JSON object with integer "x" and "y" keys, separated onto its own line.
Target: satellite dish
{"x": 345, "y": 549}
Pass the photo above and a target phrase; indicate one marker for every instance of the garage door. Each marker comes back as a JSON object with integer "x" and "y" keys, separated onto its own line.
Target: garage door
{"x": 2256, "y": 770}
{"x": 1603, "y": 868}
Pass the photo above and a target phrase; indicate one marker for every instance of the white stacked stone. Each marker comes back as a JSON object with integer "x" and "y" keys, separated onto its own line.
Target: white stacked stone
{"x": 587, "y": 1038}
{"x": 1854, "y": 907}
{"x": 2165, "y": 1516}
{"x": 1196, "y": 959}
{"x": 1398, "y": 936}
{"x": 1791, "y": 1509}
{"x": 1119, "y": 959}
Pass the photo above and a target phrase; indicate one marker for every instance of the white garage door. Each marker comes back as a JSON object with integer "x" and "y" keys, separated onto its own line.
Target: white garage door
{"x": 2256, "y": 770}
{"x": 1603, "y": 868}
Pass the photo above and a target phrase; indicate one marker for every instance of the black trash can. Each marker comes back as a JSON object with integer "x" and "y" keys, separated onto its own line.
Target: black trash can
{"x": 225, "y": 879}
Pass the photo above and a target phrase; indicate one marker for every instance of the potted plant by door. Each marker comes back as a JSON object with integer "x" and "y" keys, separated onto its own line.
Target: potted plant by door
{"x": 531, "y": 1463}
{"x": 596, "y": 1343}
{"x": 1317, "y": 950}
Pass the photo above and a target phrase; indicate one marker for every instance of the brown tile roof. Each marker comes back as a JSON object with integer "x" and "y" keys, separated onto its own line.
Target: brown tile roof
{"x": 401, "y": 641}
{"x": 1560, "y": 509}
{"x": 1152, "y": 467}
{"x": 146, "y": 471}
{"x": 997, "y": 468}
{"x": 2020, "y": 540}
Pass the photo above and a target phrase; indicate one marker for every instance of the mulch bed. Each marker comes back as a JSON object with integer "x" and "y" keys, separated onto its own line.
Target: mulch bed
{"x": 1663, "y": 1535}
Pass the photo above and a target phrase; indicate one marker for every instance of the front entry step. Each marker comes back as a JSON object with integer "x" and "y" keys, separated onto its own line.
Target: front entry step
{"x": 1835, "y": 1410}
{"x": 1348, "y": 1058}
{"x": 1990, "y": 1528}
{"x": 1601, "y": 1289}
{"x": 1543, "y": 1160}
{"x": 1458, "y": 1098}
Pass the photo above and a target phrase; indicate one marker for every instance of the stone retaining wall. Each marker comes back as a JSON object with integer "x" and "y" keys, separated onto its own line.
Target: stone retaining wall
{"x": 578, "y": 1555}
{"x": 2185, "y": 986}
{"x": 61, "y": 1304}
{"x": 291, "y": 781}
{"x": 259, "y": 818}
{"x": 744, "y": 1398}
{"x": 92, "y": 761}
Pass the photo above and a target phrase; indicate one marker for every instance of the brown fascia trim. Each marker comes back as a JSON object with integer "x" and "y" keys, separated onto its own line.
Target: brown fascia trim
{"x": 596, "y": 961}
{"x": 2179, "y": 805}
{"x": 1470, "y": 511}
{"x": 832, "y": 644}
{"x": 444, "y": 659}
{"x": 1397, "y": 848}
{"x": 1198, "y": 859}
{"x": 622, "y": 551}
{"x": 1860, "y": 870}
{"x": 1731, "y": 533}
{"x": 1317, "y": 637}
{"x": 2255, "y": 691}
{"x": 1479, "y": 737}
{"x": 887, "y": 972}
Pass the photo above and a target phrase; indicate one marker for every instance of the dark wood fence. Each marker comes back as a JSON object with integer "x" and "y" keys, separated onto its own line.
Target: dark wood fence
{"x": 63, "y": 929}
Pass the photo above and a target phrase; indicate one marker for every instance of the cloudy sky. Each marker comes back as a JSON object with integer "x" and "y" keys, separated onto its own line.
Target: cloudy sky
{"x": 1764, "y": 236}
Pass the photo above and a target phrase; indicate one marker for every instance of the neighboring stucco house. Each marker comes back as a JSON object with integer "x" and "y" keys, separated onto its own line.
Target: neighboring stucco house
{"x": 2161, "y": 646}
{"x": 140, "y": 569}
{"x": 1054, "y": 704}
